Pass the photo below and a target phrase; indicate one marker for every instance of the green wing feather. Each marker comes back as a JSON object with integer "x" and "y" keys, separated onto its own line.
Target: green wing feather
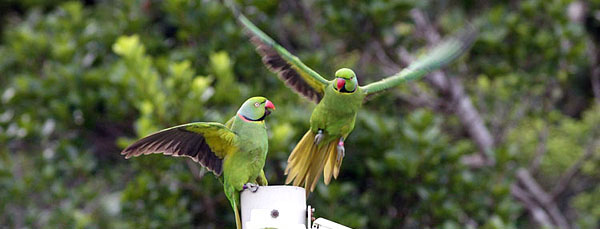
{"x": 290, "y": 69}
{"x": 204, "y": 142}
{"x": 438, "y": 57}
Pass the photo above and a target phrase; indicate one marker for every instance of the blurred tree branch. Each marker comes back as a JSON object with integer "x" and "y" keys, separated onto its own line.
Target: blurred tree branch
{"x": 565, "y": 179}
{"x": 538, "y": 214}
{"x": 457, "y": 99}
{"x": 538, "y": 198}
{"x": 526, "y": 190}
{"x": 452, "y": 86}
{"x": 540, "y": 204}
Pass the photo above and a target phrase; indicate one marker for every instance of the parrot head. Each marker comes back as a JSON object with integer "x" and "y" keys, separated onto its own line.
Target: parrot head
{"x": 256, "y": 109}
{"x": 345, "y": 81}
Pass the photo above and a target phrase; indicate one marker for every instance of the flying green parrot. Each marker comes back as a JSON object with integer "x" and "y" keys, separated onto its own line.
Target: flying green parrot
{"x": 338, "y": 100}
{"x": 236, "y": 150}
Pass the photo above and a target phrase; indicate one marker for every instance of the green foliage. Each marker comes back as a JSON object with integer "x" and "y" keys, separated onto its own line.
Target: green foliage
{"x": 81, "y": 80}
{"x": 226, "y": 89}
{"x": 413, "y": 165}
{"x": 587, "y": 208}
{"x": 159, "y": 98}
{"x": 566, "y": 142}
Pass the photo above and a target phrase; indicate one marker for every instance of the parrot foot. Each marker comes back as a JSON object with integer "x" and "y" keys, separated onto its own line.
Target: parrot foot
{"x": 319, "y": 137}
{"x": 341, "y": 151}
{"x": 250, "y": 186}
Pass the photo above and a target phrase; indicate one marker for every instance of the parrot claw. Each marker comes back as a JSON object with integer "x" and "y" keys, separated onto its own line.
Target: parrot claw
{"x": 341, "y": 151}
{"x": 251, "y": 187}
{"x": 319, "y": 137}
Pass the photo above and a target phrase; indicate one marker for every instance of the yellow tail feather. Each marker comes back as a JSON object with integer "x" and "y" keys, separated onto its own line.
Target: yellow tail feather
{"x": 299, "y": 158}
{"x": 329, "y": 169}
{"x": 238, "y": 222}
{"x": 315, "y": 167}
{"x": 307, "y": 160}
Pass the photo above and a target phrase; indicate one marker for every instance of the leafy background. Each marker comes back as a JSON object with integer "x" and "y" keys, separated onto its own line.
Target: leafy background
{"x": 79, "y": 80}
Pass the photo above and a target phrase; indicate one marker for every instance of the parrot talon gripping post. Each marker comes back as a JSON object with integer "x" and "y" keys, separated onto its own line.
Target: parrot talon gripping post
{"x": 250, "y": 186}
{"x": 338, "y": 99}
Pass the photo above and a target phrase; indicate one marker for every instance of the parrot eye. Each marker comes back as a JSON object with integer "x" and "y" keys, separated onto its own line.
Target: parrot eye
{"x": 256, "y": 104}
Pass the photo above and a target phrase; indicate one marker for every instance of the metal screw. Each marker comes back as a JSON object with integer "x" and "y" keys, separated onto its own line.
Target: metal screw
{"x": 274, "y": 213}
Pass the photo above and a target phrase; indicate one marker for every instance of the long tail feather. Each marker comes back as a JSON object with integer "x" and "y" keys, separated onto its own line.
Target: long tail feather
{"x": 319, "y": 164}
{"x": 329, "y": 170}
{"x": 336, "y": 168}
{"x": 238, "y": 221}
{"x": 298, "y": 160}
{"x": 308, "y": 162}
{"x": 234, "y": 199}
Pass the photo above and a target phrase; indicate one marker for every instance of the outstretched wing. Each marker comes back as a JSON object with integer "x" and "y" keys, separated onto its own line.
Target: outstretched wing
{"x": 204, "y": 142}
{"x": 436, "y": 58}
{"x": 295, "y": 74}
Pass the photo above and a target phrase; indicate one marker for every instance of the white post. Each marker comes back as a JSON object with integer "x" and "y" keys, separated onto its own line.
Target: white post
{"x": 275, "y": 206}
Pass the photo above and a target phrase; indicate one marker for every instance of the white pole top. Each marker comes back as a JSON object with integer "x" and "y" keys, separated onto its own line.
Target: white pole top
{"x": 278, "y": 206}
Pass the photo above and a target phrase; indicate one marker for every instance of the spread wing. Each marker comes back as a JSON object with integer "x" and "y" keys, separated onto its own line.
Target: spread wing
{"x": 295, "y": 74}
{"x": 441, "y": 55}
{"x": 204, "y": 142}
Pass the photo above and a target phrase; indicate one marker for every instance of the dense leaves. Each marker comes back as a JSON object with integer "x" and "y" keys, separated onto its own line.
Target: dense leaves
{"x": 80, "y": 80}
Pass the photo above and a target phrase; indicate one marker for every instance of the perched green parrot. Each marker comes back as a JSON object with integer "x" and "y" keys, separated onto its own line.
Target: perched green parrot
{"x": 237, "y": 150}
{"x": 338, "y": 100}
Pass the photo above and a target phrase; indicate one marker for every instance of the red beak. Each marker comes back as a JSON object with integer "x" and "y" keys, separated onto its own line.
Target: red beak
{"x": 269, "y": 105}
{"x": 340, "y": 83}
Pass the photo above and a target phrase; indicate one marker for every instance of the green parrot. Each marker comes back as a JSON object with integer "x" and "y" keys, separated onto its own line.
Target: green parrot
{"x": 338, "y": 100}
{"x": 236, "y": 150}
